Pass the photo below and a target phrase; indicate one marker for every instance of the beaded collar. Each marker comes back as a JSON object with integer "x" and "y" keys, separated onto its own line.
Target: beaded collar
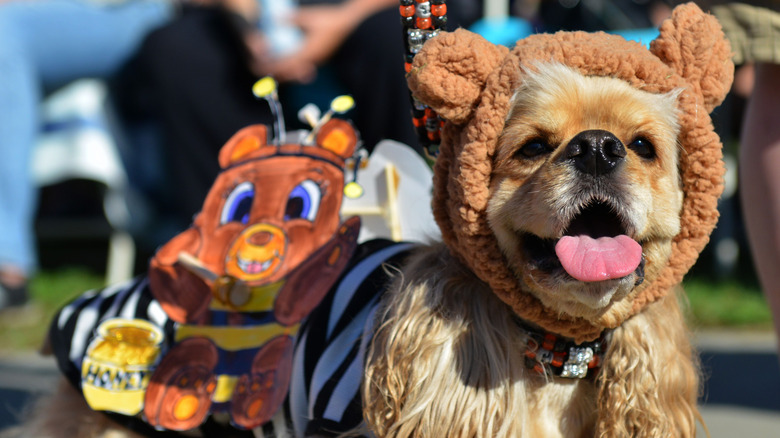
{"x": 554, "y": 355}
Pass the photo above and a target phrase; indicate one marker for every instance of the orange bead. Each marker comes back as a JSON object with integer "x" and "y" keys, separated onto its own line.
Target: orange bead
{"x": 423, "y": 23}
{"x": 439, "y": 10}
{"x": 406, "y": 11}
{"x": 408, "y": 66}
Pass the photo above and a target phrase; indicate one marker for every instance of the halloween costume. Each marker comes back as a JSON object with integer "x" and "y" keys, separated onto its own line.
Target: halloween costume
{"x": 469, "y": 82}
{"x": 211, "y": 328}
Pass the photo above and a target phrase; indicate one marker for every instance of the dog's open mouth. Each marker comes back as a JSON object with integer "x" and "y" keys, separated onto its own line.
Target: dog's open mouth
{"x": 594, "y": 247}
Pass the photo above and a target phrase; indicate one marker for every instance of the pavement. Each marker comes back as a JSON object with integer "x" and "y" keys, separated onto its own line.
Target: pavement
{"x": 742, "y": 392}
{"x": 741, "y": 397}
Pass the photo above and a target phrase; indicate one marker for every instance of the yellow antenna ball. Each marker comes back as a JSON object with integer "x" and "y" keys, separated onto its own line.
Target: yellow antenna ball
{"x": 342, "y": 104}
{"x": 353, "y": 190}
{"x": 264, "y": 87}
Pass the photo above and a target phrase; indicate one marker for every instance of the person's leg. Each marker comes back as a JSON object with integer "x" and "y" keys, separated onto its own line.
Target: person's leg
{"x": 71, "y": 39}
{"x": 19, "y": 95}
{"x": 195, "y": 70}
{"x": 760, "y": 180}
{"x": 44, "y": 44}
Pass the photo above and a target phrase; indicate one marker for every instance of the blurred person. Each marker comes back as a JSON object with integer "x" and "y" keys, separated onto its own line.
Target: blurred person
{"x": 200, "y": 68}
{"x": 45, "y": 44}
{"x": 753, "y": 28}
{"x": 599, "y": 15}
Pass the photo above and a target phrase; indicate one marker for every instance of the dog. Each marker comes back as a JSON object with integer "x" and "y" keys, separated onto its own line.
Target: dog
{"x": 577, "y": 182}
{"x": 584, "y": 203}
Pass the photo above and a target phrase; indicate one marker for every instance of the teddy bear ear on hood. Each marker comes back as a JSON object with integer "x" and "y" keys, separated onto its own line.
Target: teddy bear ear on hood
{"x": 449, "y": 76}
{"x": 693, "y": 44}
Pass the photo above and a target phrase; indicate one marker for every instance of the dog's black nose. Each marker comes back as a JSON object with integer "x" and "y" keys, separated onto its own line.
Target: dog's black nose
{"x": 595, "y": 152}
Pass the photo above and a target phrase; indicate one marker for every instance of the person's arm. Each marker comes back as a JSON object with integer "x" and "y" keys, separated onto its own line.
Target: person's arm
{"x": 247, "y": 9}
{"x": 760, "y": 181}
{"x": 325, "y": 28}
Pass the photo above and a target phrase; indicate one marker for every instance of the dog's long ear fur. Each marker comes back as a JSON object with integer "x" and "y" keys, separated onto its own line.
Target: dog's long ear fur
{"x": 649, "y": 381}
{"x": 452, "y": 71}
{"x": 447, "y": 360}
{"x": 693, "y": 44}
{"x": 439, "y": 363}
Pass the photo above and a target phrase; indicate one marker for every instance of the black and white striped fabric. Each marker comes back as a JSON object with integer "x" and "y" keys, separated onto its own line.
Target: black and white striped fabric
{"x": 75, "y": 325}
{"x": 324, "y": 394}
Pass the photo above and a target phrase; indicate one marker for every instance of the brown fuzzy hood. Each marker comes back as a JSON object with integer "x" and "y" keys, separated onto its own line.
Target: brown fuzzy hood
{"x": 470, "y": 82}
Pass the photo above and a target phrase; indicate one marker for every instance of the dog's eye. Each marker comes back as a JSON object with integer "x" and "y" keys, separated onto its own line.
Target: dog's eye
{"x": 642, "y": 147}
{"x": 534, "y": 148}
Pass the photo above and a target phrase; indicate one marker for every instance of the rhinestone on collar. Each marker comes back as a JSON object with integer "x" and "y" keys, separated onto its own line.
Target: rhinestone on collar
{"x": 551, "y": 354}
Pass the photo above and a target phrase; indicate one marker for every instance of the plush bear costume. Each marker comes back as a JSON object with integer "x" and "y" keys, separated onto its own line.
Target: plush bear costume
{"x": 469, "y": 82}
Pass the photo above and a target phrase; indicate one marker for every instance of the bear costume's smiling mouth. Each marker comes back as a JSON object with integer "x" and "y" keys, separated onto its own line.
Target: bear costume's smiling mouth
{"x": 255, "y": 267}
{"x": 594, "y": 247}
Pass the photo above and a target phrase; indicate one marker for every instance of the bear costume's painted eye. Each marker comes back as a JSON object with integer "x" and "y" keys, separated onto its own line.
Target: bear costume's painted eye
{"x": 303, "y": 202}
{"x": 238, "y": 204}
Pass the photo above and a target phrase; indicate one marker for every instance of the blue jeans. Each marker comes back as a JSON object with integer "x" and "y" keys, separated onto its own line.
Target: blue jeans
{"x": 45, "y": 44}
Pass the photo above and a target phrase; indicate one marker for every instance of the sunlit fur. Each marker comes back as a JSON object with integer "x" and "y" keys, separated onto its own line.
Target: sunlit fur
{"x": 447, "y": 358}
{"x": 541, "y": 196}
{"x": 447, "y": 361}
{"x": 649, "y": 382}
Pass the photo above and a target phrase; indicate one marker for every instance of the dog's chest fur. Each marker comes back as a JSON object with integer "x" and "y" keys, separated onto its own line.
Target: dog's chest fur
{"x": 561, "y": 408}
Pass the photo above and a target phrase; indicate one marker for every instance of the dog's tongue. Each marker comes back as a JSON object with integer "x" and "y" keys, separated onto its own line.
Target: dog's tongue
{"x": 605, "y": 258}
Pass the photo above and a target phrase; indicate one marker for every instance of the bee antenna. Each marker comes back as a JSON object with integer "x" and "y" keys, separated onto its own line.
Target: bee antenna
{"x": 266, "y": 88}
{"x": 339, "y": 105}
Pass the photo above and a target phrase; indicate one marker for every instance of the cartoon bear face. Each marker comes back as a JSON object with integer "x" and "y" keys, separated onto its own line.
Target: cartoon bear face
{"x": 271, "y": 217}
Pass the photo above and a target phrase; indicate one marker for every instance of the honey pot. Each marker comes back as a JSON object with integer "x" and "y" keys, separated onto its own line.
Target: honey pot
{"x": 119, "y": 361}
